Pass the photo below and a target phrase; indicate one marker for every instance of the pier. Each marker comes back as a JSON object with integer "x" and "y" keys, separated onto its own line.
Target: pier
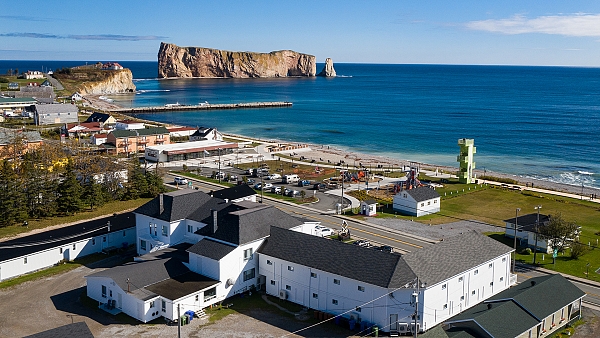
{"x": 203, "y": 106}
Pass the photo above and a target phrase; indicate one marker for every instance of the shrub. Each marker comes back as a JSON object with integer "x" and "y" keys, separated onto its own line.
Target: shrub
{"x": 526, "y": 251}
{"x": 578, "y": 249}
{"x": 4, "y": 80}
{"x": 498, "y": 179}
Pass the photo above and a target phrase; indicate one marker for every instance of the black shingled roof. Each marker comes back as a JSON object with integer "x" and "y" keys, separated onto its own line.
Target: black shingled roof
{"x": 421, "y": 194}
{"x": 98, "y": 117}
{"x": 211, "y": 249}
{"x": 527, "y": 222}
{"x": 351, "y": 261}
{"x": 235, "y": 192}
{"x": 62, "y": 236}
{"x": 178, "y": 205}
{"x": 182, "y": 285}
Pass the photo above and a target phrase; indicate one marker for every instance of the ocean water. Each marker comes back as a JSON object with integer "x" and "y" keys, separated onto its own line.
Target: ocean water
{"x": 541, "y": 122}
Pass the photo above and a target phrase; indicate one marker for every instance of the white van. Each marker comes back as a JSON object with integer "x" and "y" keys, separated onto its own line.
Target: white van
{"x": 291, "y": 178}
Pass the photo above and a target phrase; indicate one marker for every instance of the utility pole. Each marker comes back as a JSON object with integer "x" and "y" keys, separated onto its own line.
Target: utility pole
{"x": 219, "y": 172}
{"x": 515, "y": 245}
{"x": 262, "y": 185}
{"x": 537, "y": 224}
{"x": 342, "y": 197}
{"x": 416, "y": 297}
{"x": 179, "y": 320}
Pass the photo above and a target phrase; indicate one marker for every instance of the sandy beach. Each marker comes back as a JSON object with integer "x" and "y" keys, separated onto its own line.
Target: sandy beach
{"x": 333, "y": 155}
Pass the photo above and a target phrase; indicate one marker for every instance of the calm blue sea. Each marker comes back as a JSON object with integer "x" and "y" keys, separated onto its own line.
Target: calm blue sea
{"x": 541, "y": 122}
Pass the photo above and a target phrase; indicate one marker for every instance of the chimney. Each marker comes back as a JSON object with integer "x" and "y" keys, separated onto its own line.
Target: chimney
{"x": 161, "y": 204}
{"x": 214, "y": 216}
{"x": 532, "y": 283}
{"x": 489, "y": 306}
{"x": 108, "y": 224}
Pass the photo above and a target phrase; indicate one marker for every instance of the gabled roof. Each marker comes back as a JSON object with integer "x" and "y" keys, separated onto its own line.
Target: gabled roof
{"x": 8, "y": 135}
{"x": 140, "y": 132}
{"x": 178, "y": 205}
{"x": 56, "y": 108}
{"x": 211, "y": 249}
{"x": 351, "y": 261}
{"x": 528, "y": 222}
{"x": 64, "y": 236}
{"x": 453, "y": 256}
{"x": 130, "y": 122}
{"x": 235, "y": 192}
{"x": 518, "y": 309}
{"x": 77, "y": 329}
{"x": 176, "y": 129}
{"x": 202, "y": 132}
{"x": 369, "y": 202}
{"x": 237, "y": 224}
{"x": 182, "y": 285}
{"x": 421, "y": 194}
{"x": 98, "y": 117}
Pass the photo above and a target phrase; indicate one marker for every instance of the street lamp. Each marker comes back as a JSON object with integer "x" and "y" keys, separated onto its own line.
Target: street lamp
{"x": 537, "y": 224}
{"x": 515, "y": 244}
{"x": 342, "y": 197}
{"x": 219, "y": 172}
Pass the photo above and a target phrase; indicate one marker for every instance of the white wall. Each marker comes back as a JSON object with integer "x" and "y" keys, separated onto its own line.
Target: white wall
{"x": 176, "y": 231}
{"x": 129, "y": 304}
{"x": 405, "y": 204}
{"x": 46, "y": 258}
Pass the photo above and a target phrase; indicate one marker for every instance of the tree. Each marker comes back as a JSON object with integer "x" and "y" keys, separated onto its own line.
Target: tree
{"x": 93, "y": 195}
{"x": 559, "y": 233}
{"x": 137, "y": 185}
{"x": 154, "y": 184}
{"x": 69, "y": 191}
{"x": 12, "y": 197}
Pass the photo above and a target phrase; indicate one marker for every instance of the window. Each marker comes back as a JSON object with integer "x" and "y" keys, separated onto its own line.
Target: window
{"x": 123, "y": 233}
{"x": 422, "y": 204}
{"x": 210, "y": 294}
{"x": 443, "y": 286}
{"x": 490, "y": 265}
{"x": 104, "y": 239}
{"x": 143, "y": 244}
{"x": 150, "y": 228}
{"x": 60, "y": 250}
{"x": 358, "y": 309}
{"x": 269, "y": 262}
{"x": 460, "y": 279}
{"x": 503, "y": 259}
{"x": 74, "y": 246}
{"x": 501, "y": 279}
{"x": 290, "y": 268}
{"x": 165, "y": 230}
{"x": 473, "y": 292}
{"x": 313, "y": 275}
{"x": 434, "y": 201}
{"x": 93, "y": 241}
{"x": 491, "y": 283}
{"x": 336, "y": 281}
{"x": 361, "y": 288}
{"x": 25, "y": 260}
{"x": 151, "y": 304}
{"x": 103, "y": 291}
{"x": 110, "y": 293}
{"x": 196, "y": 299}
{"x": 462, "y": 297}
{"x": 404, "y": 195}
{"x": 249, "y": 274}
{"x": 288, "y": 287}
{"x": 164, "y": 305}
{"x": 429, "y": 203}
{"x": 190, "y": 228}
{"x": 445, "y": 306}
{"x": 154, "y": 229}
{"x": 334, "y": 302}
{"x": 315, "y": 296}
{"x": 476, "y": 272}
{"x": 272, "y": 282}
{"x": 248, "y": 254}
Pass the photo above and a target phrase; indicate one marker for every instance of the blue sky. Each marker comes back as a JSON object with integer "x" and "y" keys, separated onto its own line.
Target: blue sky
{"x": 441, "y": 32}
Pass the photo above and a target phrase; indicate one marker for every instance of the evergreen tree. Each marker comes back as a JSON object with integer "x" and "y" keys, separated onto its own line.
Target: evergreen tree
{"x": 69, "y": 191}
{"x": 154, "y": 183}
{"x": 93, "y": 193}
{"x": 137, "y": 186}
{"x": 12, "y": 197}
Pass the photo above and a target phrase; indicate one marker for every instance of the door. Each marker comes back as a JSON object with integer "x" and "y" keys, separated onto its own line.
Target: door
{"x": 394, "y": 322}
{"x": 119, "y": 299}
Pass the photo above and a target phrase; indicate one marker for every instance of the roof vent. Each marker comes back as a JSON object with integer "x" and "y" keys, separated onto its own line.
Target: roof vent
{"x": 214, "y": 216}
{"x": 161, "y": 204}
{"x": 532, "y": 283}
{"x": 489, "y": 306}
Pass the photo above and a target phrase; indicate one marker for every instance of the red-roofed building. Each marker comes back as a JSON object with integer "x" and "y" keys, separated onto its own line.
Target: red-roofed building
{"x": 181, "y": 131}
{"x": 112, "y": 66}
{"x": 98, "y": 139}
{"x": 82, "y": 128}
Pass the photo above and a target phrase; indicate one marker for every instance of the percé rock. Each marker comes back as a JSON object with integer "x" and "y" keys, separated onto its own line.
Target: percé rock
{"x": 120, "y": 81}
{"x": 328, "y": 70}
{"x": 175, "y": 61}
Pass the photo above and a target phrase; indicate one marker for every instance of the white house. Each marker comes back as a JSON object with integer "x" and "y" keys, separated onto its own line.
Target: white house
{"x": 238, "y": 193}
{"x": 368, "y": 207}
{"x": 206, "y": 134}
{"x": 98, "y": 139}
{"x": 538, "y": 307}
{"x": 129, "y": 125}
{"x": 48, "y": 248}
{"x": 526, "y": 231}
{"x": 55, "y": 114}
{"x": 417, "y": 202}
{"x": 33, "y": 74}
{"x": 336, "y": 277}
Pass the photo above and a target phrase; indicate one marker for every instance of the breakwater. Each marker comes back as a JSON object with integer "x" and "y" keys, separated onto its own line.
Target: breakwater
{"x": 202, "y": 106}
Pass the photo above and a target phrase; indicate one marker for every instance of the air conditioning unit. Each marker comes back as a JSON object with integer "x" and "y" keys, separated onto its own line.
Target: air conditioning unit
{"x": 283, "y": 294}
{"x": 402, "y": 327}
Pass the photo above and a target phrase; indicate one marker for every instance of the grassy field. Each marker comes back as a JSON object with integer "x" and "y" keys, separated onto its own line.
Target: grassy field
{"x": 107, "y": 209}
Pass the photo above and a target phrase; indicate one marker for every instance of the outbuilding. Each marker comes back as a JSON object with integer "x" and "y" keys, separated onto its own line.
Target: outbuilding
{"x": 417, "y": 202}
{"x": 368, "y": 207}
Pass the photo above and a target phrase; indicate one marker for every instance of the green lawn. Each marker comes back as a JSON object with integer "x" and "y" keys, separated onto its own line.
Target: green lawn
{"x": 107, "y": 209}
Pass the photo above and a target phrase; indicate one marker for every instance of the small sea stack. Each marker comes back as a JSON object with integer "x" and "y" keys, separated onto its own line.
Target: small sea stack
{"x": 328, "y": 70}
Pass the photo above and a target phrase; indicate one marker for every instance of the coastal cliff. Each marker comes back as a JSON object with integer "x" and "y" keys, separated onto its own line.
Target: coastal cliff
{"x": 175, "y": 61}
{"x": 116, "y": 81}
{"x": 328, "y": 70}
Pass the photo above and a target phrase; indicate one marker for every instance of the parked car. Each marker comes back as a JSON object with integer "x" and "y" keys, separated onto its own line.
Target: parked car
{"x": 257, "y": 186}
{"x": 323, "y": 230}
{"x": 319, "y": 186}
{"x": 251, "y": 181}
{"x": 180, "y": 180}
{"x": 384, "y": 248}
{"x": 267, "y": 186}
{"x": 292, "y": 193}
{"x": 303, "y": 183}
{"x": 274, "y": 177}
{"x": 362, "y": 242}
{"x": 276, "y": 190}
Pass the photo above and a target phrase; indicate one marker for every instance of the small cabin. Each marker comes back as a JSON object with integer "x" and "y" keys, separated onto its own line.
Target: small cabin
{"x": 368, "y": 207}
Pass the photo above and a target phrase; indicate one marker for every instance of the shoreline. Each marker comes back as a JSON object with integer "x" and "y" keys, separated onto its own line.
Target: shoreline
{"x": 323, "y": 153}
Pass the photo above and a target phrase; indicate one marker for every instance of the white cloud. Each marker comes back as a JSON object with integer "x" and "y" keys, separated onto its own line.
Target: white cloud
{"x": 569, "y": 25}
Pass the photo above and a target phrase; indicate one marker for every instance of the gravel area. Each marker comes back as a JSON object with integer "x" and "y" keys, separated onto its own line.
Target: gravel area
{"x": 434, "y": 232}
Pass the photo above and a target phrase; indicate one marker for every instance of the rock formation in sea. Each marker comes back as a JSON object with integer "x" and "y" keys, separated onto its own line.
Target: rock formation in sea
{"x": 175, "y": 61}
{"x": 118, "y": 81}
{"x": 328, "y": 70}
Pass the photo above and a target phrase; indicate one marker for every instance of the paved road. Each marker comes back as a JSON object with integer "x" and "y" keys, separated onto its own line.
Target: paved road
{"x": 359, "y": 230}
